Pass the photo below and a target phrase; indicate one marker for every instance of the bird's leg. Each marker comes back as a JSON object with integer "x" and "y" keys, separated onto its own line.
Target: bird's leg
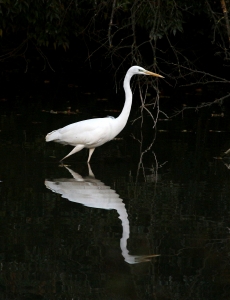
{"x": 90, "y": 171}
{"x": 90, "y": 154}
{"x": 76, "y": 149}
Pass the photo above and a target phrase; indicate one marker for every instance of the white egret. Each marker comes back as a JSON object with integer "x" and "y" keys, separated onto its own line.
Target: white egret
{"x": 96, "y": 132}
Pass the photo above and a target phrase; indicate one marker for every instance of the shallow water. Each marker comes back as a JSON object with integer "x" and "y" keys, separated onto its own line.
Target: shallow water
{"x": 129, "y": 226}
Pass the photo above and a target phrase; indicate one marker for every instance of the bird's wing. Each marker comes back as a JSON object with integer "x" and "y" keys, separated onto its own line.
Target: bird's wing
{"x": 88, "y": 132}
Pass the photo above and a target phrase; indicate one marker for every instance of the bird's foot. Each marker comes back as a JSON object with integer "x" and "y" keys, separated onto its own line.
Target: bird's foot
{"x": 62, "y": 165}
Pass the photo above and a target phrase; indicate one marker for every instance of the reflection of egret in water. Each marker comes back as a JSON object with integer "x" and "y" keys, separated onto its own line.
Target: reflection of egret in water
{"x": 93, "y": 193}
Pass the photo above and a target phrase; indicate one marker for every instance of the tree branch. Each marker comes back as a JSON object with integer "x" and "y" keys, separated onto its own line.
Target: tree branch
{"x": 111, "y": 23}
{"x": 225, "y": 12}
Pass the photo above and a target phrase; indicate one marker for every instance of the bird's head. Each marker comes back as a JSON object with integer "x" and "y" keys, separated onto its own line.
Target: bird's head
{"x": 141, "y": 71}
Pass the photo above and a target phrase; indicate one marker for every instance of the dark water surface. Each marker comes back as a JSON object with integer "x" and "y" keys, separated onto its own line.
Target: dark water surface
{"x": 117, "y": 229}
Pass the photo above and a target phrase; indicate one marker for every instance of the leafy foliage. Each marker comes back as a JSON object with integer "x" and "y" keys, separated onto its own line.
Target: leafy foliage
{"x": 43, "y": 21}
{"x": 51, "y": 22}
{"x": 124, "y": 29}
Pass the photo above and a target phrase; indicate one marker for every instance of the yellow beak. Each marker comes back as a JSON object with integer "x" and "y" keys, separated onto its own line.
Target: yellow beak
{"x": 153, "y": 74}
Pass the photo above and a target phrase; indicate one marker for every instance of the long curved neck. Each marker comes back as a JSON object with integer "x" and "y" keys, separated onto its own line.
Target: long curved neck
{"x": 123, "y": 117}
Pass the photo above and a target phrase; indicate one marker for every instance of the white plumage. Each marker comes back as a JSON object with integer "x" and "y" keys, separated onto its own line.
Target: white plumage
{"x": 93, "y": 133}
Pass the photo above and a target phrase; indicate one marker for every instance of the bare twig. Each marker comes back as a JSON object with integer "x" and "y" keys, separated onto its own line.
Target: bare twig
{"x": 68, "y": 7}
{"x": 202, "y": 105}
{"x": 45, "y": 59}
{"x": 111, "y": 23}
{"x": 225, "y": 12}
{"x": 15, "y": 51}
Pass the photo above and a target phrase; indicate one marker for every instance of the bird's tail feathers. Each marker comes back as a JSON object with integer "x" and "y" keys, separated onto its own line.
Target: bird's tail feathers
{"x": 52, "y": 136}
